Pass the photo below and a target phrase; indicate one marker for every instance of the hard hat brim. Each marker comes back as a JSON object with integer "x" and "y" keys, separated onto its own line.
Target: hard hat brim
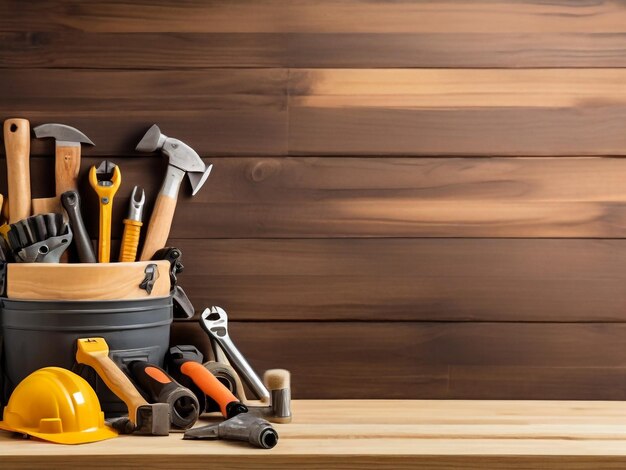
{"x": 79, "y": 437}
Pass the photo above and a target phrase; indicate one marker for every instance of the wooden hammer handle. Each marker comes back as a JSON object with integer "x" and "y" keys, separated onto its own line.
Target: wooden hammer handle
{"x": 17, "y": 145}
{"x": 66, "y": 167}
{"x": 159, "y": 226}
{"x": 94, "y": 352}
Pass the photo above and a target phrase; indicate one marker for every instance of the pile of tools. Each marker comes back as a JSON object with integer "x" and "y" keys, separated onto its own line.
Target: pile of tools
{"x": 159, "y": 400}
{"x": 105, "y": 179}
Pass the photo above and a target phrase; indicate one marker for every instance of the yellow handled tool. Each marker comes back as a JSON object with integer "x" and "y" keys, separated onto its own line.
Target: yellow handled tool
{"x": 105, "y": 180}
{"x": 132, "y": 227}
{"x": 146, "y": 419}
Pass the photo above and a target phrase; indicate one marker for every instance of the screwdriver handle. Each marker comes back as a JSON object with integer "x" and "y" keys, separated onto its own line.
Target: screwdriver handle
{"x": 161, "y": 388}
{"x": 209, "y": 385}
{"x": 152, "y": 380}
{"x": 130, "y": 240}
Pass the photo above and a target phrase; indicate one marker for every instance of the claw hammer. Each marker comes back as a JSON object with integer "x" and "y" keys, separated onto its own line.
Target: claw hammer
{"x": 182, "y": 160}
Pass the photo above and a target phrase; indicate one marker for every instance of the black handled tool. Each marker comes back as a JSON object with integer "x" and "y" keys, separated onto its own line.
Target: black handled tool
{"x": 26, "y": 243}
{"x": 161, "y": 388}
{"x": 84, "y": 248}
{"x": 183, "y": 307}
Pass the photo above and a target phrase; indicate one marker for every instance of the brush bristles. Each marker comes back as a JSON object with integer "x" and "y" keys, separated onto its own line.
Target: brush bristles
{"x": 277, "y": 379}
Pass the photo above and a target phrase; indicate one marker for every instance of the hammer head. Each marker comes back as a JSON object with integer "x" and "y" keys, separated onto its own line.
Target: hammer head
{"x": 180, "y": 155}
{"x": 63, "y": 134}
{"x": 153, "y": 420}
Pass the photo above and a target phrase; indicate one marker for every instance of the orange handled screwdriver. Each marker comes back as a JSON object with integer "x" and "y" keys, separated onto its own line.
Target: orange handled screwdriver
{"x": 185, "y": 364}
{"x": 132, "y": 226}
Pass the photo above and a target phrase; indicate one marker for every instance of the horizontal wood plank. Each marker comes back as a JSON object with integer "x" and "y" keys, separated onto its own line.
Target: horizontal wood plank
{"x": 504, "y": 280}
{"x": 435, "y": 360}
{"x": 82, "y": 50}
{"x": 325, "y": 16}
{"x": 457, "y": 112}
{"x": 309, "y": 197}
{"x": 216, "y": 112}
{"x": 359, "y": 112}
{"x": 408, "y": 434}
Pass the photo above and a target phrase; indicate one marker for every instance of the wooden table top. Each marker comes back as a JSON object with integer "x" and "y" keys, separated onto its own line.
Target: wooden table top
{"x": 374, "y": 433}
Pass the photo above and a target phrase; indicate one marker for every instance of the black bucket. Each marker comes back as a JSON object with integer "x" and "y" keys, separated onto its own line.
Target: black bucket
{"x": 38, "y": 334}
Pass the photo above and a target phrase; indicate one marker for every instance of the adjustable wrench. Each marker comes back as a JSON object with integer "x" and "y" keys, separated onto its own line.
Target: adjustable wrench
{"x": 105, "y": 180}
{"x": 214, "y": 321}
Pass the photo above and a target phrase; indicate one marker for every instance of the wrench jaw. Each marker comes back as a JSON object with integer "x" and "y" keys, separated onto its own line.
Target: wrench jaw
{"x": 215, "y": 322}
{"x": 108, "y": 174}
{"x": 105, "y": 181}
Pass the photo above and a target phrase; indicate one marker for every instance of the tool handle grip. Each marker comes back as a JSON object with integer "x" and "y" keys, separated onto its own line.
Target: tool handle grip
{"x": 71, "y": 203}
{"x": 152, "y": 380}
{"x": 104, "y": 237}
{"x": 111, "y": 374}
{"x": 66, "y": 167}
{"x": 17, "y": 146}
{"x": 209, "y": 384}
{"x": 159, "y": 226}
{"x": 130, "y": 240}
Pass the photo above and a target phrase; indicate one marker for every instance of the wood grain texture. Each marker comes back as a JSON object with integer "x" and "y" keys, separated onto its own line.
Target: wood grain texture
{"x": 408, "y": 279}
{"x": 436, "y": 360}
{"x": 87, "y": 50}
{"x": 310, "y": 197}
{"x": 352, "y": 134}
{"x": 84, "y": 281}
{"x": 444, "y": 435}
{"x": 216, "y": 112}
{"x": 456, "y": 112}
{"x": 325, "y": 16}
{"x": 359, "y": 112}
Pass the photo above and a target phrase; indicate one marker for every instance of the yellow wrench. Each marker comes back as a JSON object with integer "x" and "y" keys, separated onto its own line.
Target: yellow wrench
{"x": 105, "y": 180}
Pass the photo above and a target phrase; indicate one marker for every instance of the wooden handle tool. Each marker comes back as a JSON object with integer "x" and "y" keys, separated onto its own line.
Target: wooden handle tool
{"x": 17, "y": 146}
{"x": 183, "y": 160}
{"x": 68, "y": 142}
{"x": 159, "y": 225}
{"x": 147, "y": 419}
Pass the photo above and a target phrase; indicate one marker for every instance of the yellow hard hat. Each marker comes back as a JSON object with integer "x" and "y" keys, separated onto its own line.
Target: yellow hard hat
{"x": 56, "y": 405}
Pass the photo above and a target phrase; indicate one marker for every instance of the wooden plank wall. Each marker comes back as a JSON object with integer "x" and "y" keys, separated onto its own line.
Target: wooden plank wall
{"x": 410, "y": 199}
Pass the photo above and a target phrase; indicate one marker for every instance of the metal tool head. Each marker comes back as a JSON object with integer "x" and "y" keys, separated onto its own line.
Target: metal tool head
{"x": 243, "y": 427}
{"x": 153, "y": 420}
{"x": 137, "y": 201}
{"x": 180, "y": 155}
{"x": 106, "y": 173}
{"x": 215, "y": 320}
{"x": 105, "y": 180}
{"x": 63, "y": 134}
{"x": 70, "y": 199}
